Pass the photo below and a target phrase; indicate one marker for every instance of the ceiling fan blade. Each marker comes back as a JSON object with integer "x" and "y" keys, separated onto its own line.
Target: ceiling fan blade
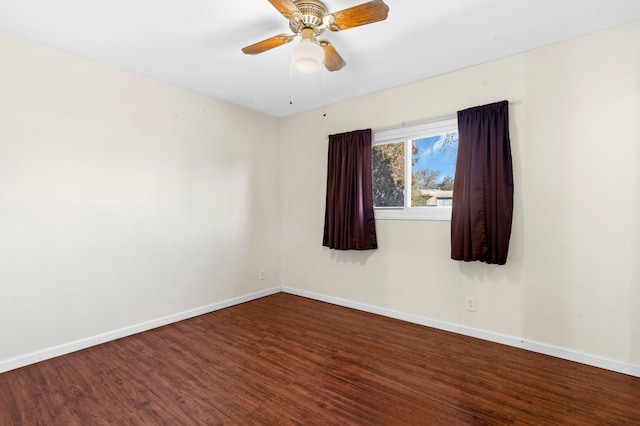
{"x": 362, "y": 14}
{"x": 267, "y": 44}
{"x": 285, "y": 7}
{"x": 332, "y": 59}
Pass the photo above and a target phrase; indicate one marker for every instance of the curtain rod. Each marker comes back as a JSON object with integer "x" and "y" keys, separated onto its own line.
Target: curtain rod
{"x": 432, "y": 119}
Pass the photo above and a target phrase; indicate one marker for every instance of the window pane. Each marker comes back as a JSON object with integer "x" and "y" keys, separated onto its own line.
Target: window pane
{"x": 388, "y": 175}
{"x": 433, "y": 168}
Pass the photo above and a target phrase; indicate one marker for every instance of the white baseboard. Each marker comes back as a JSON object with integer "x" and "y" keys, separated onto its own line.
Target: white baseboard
{"x": 33, "y": 357}
{"x": 555, "y": 351}
{"x": 558, "y": 352}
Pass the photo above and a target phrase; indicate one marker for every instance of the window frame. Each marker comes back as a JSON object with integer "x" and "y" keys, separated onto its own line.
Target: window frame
{"x": 406, "y": 134}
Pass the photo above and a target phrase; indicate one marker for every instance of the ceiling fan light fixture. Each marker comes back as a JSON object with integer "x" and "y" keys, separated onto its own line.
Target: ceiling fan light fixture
{"x": 307, "y": 56}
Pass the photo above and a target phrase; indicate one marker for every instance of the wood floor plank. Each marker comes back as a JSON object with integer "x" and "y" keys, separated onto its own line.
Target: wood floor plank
{"x": 284, "y": 359}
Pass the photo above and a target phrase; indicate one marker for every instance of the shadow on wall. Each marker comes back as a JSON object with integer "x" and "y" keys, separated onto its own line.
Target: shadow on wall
{"x": 350, "y": 256}
{"x": 481, "y": 272}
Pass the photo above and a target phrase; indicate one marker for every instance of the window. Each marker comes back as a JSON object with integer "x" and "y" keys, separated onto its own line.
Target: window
{"x": 413, "y": 171}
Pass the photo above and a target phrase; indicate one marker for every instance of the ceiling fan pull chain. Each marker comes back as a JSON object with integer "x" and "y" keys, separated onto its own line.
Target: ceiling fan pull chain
{"x": 324, "y": 91}
{"x": 290, "y": 82}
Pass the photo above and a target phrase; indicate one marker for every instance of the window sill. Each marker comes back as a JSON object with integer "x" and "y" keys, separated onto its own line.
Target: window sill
{"x": 413, "y": 213}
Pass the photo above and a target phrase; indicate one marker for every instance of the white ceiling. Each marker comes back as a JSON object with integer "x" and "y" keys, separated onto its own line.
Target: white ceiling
{"x": 196, "y": 44}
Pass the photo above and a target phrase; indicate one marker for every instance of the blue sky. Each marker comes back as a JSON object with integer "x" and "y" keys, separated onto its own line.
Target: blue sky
{"x": 434, "y": 154}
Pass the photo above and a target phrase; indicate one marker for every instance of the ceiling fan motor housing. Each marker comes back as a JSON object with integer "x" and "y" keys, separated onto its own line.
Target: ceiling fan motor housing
{"x": 313, "y": 13}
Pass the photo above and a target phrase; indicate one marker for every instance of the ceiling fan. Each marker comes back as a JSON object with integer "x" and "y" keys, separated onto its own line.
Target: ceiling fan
{"x": 308, "y": 19}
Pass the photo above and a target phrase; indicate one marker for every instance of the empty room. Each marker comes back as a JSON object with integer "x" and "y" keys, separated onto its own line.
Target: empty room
{"x": 300, "y": 212}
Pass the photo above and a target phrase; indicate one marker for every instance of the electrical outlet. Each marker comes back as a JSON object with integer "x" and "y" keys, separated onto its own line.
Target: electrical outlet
{"x": 471, "y": 304}
{"x": 261, "y": 274}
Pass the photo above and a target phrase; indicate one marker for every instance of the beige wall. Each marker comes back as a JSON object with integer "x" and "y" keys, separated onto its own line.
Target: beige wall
{"x": 573, "y": 276}
{"x": 123, "y": 200}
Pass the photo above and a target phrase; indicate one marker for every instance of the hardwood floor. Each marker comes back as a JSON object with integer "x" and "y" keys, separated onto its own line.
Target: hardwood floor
{"x": 284, "y": 359}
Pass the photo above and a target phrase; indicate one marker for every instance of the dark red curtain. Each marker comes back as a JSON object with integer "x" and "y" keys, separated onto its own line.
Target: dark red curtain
{"x": 349, "y": 223}
{"x": 483, "y": 188}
